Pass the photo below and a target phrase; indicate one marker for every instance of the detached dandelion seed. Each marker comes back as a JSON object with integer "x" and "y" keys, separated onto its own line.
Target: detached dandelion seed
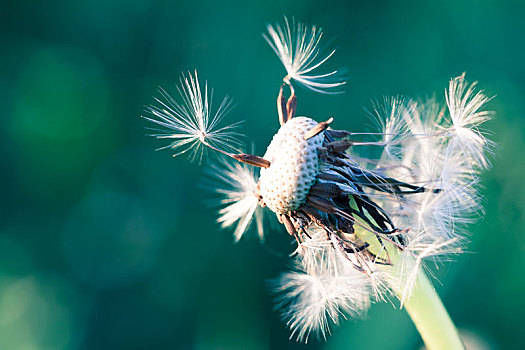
{"x": 364, "y": 227}
{"x": 191, "y": 125}
{"x": 298, "y": 49}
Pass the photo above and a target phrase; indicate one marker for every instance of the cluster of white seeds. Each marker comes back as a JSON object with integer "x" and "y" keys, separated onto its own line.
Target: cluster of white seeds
{"x": 294, "y": 166}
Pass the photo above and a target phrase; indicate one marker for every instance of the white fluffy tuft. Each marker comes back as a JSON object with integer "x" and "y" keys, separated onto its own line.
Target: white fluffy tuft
{"x": 323, "y": 289}
{"x": 441, "y": 149}
{"x": 297, "y": 48}
{"x": 464, "y": 105}
{"x": 191, "y": 125}
{"x": 238, "y": 188}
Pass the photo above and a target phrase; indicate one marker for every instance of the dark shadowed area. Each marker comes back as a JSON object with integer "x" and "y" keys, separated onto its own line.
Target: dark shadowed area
{"x": 107, "y": 244}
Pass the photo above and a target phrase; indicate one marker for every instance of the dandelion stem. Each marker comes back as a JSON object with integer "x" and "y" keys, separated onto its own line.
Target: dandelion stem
{"x": 431, "y": 318}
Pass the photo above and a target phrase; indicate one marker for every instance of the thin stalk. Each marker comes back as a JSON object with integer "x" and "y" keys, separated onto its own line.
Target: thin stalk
{"x": 431, "y": 318}
{"x": 423, "y": 304}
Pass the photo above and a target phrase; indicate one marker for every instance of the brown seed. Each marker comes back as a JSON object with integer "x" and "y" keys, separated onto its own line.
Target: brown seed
{"x": 339, "y": 146}
{"x": 281, "y": 107}
{"x": 288, "y": 225}
{"x": 252, "y": 160}
{"x": 317, "y": 129}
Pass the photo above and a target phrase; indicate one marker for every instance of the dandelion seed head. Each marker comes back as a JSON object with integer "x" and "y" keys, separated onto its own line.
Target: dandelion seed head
{"x": 365, "y": 228}
{"x": 429, "y": 212}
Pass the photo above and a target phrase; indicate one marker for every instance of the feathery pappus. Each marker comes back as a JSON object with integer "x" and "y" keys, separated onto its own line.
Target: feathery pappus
{"x": 363, "y": 227}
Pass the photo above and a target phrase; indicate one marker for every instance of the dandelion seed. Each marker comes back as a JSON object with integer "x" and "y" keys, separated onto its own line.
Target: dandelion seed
{"x": 298, "y": 49}
{"x": 465, "y": 111}
{"x": 238, "y": 186}
{"x": 191, "y": 125}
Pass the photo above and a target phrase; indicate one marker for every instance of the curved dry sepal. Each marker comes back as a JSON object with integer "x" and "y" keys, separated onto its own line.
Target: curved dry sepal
{"x": 191, "y": 125}
{"x": 297, "y": 46}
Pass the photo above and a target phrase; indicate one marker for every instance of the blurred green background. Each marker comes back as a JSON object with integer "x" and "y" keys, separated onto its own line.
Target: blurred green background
{"x": 107, "y": 244}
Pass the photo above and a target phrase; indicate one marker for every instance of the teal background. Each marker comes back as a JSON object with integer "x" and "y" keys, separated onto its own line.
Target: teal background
{"x": 107, "y": 244}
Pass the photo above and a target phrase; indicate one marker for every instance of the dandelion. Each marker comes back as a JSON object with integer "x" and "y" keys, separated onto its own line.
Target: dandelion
{"x": 364, "y": 227}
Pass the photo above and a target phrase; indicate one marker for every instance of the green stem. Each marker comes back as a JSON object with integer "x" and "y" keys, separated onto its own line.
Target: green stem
{"x": 431, "y": 318}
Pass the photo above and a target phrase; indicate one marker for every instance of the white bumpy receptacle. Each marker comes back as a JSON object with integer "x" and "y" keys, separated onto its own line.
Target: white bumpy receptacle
{"x": 294, "y": 165}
